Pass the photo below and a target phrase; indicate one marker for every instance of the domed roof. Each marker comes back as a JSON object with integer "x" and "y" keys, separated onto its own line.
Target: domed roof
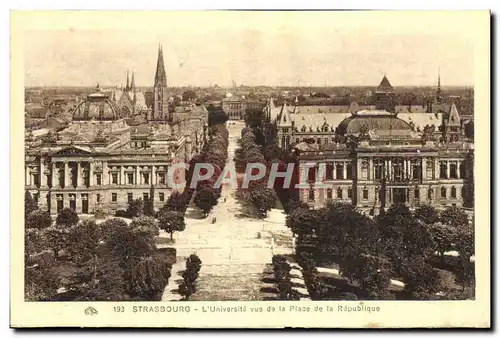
{"x": 97, "y": 106}
{"x": 372, "y": 120}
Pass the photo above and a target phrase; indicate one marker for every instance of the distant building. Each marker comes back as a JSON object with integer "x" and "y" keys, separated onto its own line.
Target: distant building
{"x": 105, "y": 157}
{"x": 375, "y": 157}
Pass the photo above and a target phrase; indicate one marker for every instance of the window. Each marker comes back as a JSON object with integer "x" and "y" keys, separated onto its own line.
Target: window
{"x": 130, "y": 178}
{"x": 145, "y": 196}
{"x": 453, "y": 192}
{"x": 430, "y": 194}
{"x": 161, "y": 178}
{"x": 297, "y": 140}
{"x": 329, "y": 171}
{"x": 462, "y": 170}
{"x": 318, "y": 140}
{"x": 161, "y": 196}
{"x": 397, "y": 168}
{"x": 365, "y": 194}
{"x": 329, "y": 194}
{"x": 339, "y": 193}
{"x": 364, "y": 170}
{"x": 349, "y": 171}
{"x": 311, "y": 194}
{"x": 114, "y": 178}
{"x": 453, "y": 170}
{"x": 442, "y": 170}
{"x": 114, "y": 197}
{"x": 462, "y": 192}
{"x": 98, "y": 179}
{"x": 379, "y": 167}
{"x": 98, "y": 198}
{"x": 429, "y": 169}
{"x": 130, "y": 197}
{"x": 146, "y": 178}
{"x": 339, "y": 168}
{"x": 417, "y": 193}
{"x": 349, "y": 193}
{"x": 416, "y": 170}
{"x": 443, "y": 192}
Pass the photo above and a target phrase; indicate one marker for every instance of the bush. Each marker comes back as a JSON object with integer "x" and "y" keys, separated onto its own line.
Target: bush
{"x": 67, "y": 218}
{"x": 38, "y": 219}
{"x": 135, "y": 208}
{"x": 189, "y": 276}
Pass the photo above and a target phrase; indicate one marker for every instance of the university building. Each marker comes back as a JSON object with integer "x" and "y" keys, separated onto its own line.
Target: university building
{"x": 375, "y": 156}
{"x": 101, "y": 162}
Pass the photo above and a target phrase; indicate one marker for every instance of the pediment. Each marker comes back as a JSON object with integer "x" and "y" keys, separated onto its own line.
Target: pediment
{"x": 72, "y": 151}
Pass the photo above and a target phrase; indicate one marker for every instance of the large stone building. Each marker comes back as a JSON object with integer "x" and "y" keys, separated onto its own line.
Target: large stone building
{"x": 101, "y": 162}
{"x": 373, "y": 157}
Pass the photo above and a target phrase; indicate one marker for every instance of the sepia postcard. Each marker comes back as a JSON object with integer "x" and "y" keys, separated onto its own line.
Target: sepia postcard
{"x": 250, "y": 169}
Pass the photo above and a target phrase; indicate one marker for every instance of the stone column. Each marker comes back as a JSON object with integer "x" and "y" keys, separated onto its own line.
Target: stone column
{"x": 122, "y": 180}
{"x": 66, "y": 174}
{"x": 448, "y": 169}
{"x": 345, "y": 170}
{"x": 405, "y": 168}
{"x": 423, "y": 167}
{"x": 55, "y": 181}
{"x": 371, "y": 168}
{"x": 153, "y": 175}
{"x": 137, "y": 176}
{"x": 91, "y": 175}
{"x": 105, "y": 173}
{"x": 359, "y": 164}
{"x": 436, "y": 171}
{"x": 43, "y": 177}
{"x": 334, "y": 170}
{"x": 27, "y": 177}
{"x": 458, "y": 169}
{"x": 78, "y": 174}
{"x": 389, "y": 168}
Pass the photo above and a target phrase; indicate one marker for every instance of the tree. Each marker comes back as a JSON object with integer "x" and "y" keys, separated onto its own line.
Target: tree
{"x": 176, "y": 202}
{"x": 189, "y": 95}
{"x": 427, "y": 214}
{"x": 40, "y": 284}
{"x": 205, "y": 200}
{"x": 34, "y": 242}
{"x": 145, "y": 224}
{"x": 110, "y": 226}
{"x": 30, "y": 204}
{"x": 147, "y": 280}
{"x": 216, "y": 115}
{"x": 83, "y": 241}
{"x": 38, "y": 219}
{"x": 454, "y": 216}
{"x": 421, "y": 280}
{"x": 149, "y": 205}
{"x": 135, "y": 208}
{"x": 302, "y": 221}
{"x": 57, "y": 239}
{"x": 443, "y": 236}
{"x": 189, "y": 276}
{"x": 67, "y": 218}
{"x": 171, "y": 221}
{"x": 264, "y": 199}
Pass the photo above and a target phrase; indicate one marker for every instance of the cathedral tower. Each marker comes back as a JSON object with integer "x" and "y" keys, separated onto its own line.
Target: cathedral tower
{"x": 160, "y": 96}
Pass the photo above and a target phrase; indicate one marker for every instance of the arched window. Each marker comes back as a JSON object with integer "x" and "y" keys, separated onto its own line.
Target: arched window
{"x": 349, "y": 193}
{"x": 453, "y": 192}
{"x": 443, "y": 192}
{"x": 430, "y": 194}
{"x": 311, "y": 194}
{"x": 339, "y": 193}
{"x": 329, "y": 193}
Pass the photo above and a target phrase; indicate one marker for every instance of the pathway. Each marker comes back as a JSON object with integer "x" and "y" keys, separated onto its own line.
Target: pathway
{"x": 235, "y": 250}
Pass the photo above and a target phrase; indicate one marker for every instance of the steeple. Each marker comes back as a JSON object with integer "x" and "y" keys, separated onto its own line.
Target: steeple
{"x": 439, "y": 94}
{"x": 127, "y": 87}
{"x": 160, "y": 75}
{"x": 132, "y": 83}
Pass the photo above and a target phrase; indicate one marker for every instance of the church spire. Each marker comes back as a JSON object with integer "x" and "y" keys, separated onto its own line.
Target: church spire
{"x": 439, "y": 94}
{"x": 127, "y": 87}
{"x": 132, "y": 83}
{"x": 160, "y": 75}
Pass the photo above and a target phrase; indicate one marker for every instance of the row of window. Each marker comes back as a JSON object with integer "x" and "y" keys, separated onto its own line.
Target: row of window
{"x": 364, "y": 194}
{"x": 130, "y": 178}
{"x": 130, "y": 197}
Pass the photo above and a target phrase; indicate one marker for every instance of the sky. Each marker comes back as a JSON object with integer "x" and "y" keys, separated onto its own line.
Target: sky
{"x": 251, "y": 48}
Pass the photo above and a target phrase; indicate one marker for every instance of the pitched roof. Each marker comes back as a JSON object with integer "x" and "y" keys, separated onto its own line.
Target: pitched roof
{"x": 420, "y": 120}
{"x": 385, "y": 86}
{"x": 453, "y": 117}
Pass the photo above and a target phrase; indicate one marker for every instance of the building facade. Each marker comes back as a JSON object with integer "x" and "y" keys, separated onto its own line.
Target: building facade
{"x": 375, "y": 156}
{"x": 99, "y": 162}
